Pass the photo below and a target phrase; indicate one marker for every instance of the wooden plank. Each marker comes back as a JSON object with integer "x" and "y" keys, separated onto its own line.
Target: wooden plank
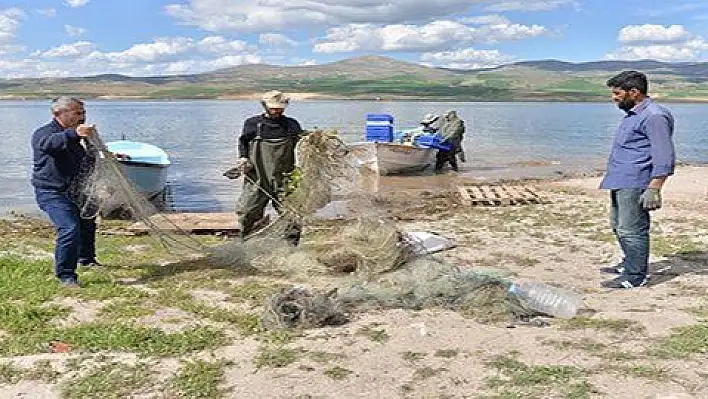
{"x": 504, "y": 196}
{"x": 189, "y": 222}
{"x": 494, "y": 195}
{"x": 489, "y": 195}
{"x": 476, "y": 192}
{"x": 465, "y": 195}
{"x": 515, "y": 194}
{"x": 531, "y": 194}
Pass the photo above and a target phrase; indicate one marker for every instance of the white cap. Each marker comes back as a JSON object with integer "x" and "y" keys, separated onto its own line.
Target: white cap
{"x": 429, "y": 118}
{"x": 275, "y": 99}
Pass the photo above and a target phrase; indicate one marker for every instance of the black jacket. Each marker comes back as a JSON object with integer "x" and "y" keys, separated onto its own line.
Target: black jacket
{"x": 57, "y": 156}
{"x": 269, "y": 129}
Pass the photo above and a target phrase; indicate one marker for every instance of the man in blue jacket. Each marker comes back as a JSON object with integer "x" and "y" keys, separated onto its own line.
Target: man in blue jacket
{"x": 58, "y": 158}
{"x": 641, "y": 160}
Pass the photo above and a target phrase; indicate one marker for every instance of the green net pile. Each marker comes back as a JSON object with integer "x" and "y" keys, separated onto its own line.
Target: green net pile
{"x": 379, "y": 265}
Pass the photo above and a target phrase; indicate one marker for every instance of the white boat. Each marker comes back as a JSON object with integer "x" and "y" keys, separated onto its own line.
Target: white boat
{"x": 144, "y": 164}
{"x": 393, "y": 158}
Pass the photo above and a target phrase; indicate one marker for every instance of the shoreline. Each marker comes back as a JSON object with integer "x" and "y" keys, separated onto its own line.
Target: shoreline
{"x": 448, "y": 182}
{"x": 305, "y": 96}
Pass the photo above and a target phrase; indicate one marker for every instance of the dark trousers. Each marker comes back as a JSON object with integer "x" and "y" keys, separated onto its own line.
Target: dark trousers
{"x": 76, "y": 237}
{"x": 444, "y": 157}
{"x": 251, "y": 208}
{"x": 630, "y": 224}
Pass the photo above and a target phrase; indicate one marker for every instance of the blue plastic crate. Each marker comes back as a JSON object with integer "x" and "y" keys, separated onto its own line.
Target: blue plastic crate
{"x": 379, "y": 137}
{"x": 433, "y": 141}
{"x": 379, "y": 118}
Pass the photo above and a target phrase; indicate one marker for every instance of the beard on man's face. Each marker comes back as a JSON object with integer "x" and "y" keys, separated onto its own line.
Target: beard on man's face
{"x": 626, "y": 104}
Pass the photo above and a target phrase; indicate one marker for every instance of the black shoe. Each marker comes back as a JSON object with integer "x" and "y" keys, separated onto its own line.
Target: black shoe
{"x": 625, "y": 282}
{"x": 90, "y": 264}
{"x": 619, "y": 269}
{"x": 70, "y": 283}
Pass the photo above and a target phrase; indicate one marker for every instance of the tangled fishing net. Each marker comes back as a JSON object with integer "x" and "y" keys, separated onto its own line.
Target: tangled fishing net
{"x": 385, "y": 267}
{"x": 421, "y": 284}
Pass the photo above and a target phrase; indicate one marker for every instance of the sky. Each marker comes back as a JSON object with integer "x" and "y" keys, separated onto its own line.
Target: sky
{"x": 60, "y": 38}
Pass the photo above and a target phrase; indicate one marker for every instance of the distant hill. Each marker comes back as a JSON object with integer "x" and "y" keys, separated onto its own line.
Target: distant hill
{"x": 379, "y": 77}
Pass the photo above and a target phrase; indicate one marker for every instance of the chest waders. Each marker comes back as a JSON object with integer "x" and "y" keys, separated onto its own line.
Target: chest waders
{"x": 272, "y": 159}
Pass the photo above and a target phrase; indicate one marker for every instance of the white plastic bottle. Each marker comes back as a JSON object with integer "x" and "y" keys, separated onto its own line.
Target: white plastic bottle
{"x": 547, "y": 299}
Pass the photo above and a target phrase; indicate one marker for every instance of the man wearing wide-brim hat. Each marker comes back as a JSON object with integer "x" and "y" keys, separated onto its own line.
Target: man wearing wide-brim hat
{"x": 266, "y": 149}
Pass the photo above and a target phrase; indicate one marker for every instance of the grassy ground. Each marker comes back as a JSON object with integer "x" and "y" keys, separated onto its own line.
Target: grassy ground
{"x": 151, "y": 325}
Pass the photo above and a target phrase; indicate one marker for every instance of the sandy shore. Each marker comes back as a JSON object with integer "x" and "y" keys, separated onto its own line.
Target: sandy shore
{"x": 643, "y": 343}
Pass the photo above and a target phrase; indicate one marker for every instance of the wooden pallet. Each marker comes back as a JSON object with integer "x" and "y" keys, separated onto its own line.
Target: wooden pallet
{"x": 195, "y": 223}
{"x": 498, "y": 195}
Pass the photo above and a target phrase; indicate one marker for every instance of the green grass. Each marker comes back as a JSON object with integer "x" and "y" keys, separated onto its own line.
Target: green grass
{"x": 10, "y": 374}
{"x": 671, "y": 245}
{"x": 123, "y": 309}
{"x": 683, "y": 343}
{"x": 374, "y": 334}
{"x": 199, "y": 379}
{"x": 325, "y": 357}
{"x": 614, "y": 325}
{"x": 447, "y": 353}
{"x": 115, "y": 337}
{"x": 649, "y": 372}
{"x": 246, "y": 323}
{"x": 412, "y": 357}
{"x": 254, "y": 291}
{"x": 276, "y": 357}
{"x": 338, "y": 373}
{"x": 110, "y": 381}
{"x": 517, "y": 379}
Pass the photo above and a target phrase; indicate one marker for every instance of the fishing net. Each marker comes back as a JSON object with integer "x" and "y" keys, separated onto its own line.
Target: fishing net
{"x": 101, "y": 188}
{"x": 421, "y": 284}
{"x": 381, "y": 267}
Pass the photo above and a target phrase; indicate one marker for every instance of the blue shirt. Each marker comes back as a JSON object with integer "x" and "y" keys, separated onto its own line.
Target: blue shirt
{"x": 642, "y": 148}
{"x": 57, "y": 156}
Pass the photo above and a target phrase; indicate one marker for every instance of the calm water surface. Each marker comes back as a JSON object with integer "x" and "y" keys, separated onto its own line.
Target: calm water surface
{"x": 201, "y": 137}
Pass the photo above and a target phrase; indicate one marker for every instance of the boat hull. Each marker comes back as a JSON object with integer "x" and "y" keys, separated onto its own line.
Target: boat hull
{"x": 391, "y": 159}
{"x": 145, "y": 165}
{"x": 149, "y": 180}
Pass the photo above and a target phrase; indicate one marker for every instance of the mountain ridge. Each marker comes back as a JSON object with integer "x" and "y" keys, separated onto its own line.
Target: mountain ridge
{"x": 379, "y": 77}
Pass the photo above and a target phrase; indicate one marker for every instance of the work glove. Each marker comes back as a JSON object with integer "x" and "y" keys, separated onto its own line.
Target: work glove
{"x": 651, "y": 199}
{"x": 243, "y": 165}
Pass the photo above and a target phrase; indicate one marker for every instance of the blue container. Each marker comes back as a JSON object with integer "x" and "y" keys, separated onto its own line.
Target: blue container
{"x": 379, "y": 118}
{"x": 433, "y": 141}
{"x": 379, "y": 128}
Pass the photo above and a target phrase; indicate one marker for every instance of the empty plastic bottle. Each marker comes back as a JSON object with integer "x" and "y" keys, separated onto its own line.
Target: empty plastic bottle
{"x": 547, "y": 299}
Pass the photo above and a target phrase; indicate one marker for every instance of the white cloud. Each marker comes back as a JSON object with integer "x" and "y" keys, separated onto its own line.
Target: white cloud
{"x": 162, "y": 49}
{"x": 494, "y": 19}
{"x": 10, "y": 21}
{"x": 279, "y": 15}
{"x": 653, "y": 33}
{"x": 219, "y": 45}
{"x": 307, "y": 62}
{"x": 437, "y": 35}
{"x": 74, "y": 31}
{"x": 276, "y": 40}
{"x": 689, "y": 51}
{"x": 163, "y": 56}
{"x": 73, "y": 50}
{"x": 657, "y": 42}
{"x": 530, "y": 5}
{"x": 47, "y": 12}
{"x": 76, "y": 3}
{"x": 468, "y": 58}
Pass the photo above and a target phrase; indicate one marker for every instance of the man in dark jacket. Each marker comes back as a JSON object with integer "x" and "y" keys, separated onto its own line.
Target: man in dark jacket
{"x": 58, "y": 158}
{"x": 267, "y": 155}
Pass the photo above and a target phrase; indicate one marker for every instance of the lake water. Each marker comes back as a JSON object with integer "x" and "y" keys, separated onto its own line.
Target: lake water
{"x": 201, "y": 138}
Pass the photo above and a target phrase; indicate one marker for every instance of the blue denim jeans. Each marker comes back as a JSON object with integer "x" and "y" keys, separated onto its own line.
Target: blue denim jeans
{"x": 76, "y": 237}
{"x": 630, "y": 224}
